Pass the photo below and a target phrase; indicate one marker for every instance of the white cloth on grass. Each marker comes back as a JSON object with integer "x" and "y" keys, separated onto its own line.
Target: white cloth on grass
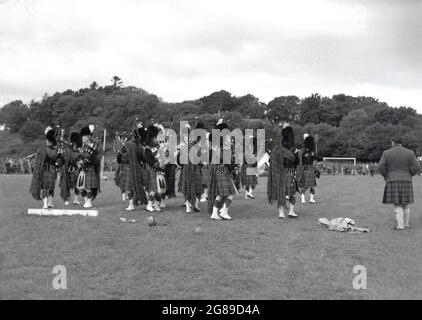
{"x": 342, "y": 225}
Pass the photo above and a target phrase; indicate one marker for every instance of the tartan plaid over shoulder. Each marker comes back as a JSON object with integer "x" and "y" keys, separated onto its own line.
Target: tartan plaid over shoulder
{"x": 276, "y": 190}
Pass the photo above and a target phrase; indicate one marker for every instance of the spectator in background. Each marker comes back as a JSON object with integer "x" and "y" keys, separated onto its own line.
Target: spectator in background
{"x": 398, "y": 165}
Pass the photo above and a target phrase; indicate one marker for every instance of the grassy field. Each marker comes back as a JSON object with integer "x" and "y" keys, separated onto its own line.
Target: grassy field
{"x": 255, "y": 256}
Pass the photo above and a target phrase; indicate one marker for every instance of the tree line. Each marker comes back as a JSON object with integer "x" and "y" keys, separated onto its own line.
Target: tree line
{"x": 345, "y": 126}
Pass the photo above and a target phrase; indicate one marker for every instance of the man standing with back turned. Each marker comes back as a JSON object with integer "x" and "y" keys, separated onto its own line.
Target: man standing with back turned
{"x": 398, "y": 165}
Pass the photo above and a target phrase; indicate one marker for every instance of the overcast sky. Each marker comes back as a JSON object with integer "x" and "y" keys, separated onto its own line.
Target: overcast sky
{"x": 185, "y": 49}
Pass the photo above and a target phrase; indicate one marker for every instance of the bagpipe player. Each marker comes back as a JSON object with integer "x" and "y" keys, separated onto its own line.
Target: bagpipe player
{"x": 155, "y": 180}
{"x": 70, "y": 171}
{"x": 131, "y": 161}
{"x": 190, "y": 180}
{"x": 88, "y": 181}
{"x": 221, "y": 186}
{"x": 309, "y": 157}
{"x": 281, "y": 183}
{"x": 48, "y": 160}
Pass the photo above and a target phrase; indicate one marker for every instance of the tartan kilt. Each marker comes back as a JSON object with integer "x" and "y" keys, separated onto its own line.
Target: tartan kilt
{"x": 398, "y": 193}
{"x": 72, "y": 180}
{"x": 91, "y": 179}
{"x": 248, "y": 180}
{"x": 198, "y": 179}
{"x": 205, "y": 176}
{"x": 48, "y": 180}
{"x": 151, "y": 185}
{"x": 144, "y": 176}
{"x": 224, "y": 185}
{"x": 251, "y": 180}
{"x": 290, "y": 183}
{"x": 182, "y": 186}
{"x": 309, "y": 180}
{"x": 126, "y": 179}
{"x": 170, "y": 174}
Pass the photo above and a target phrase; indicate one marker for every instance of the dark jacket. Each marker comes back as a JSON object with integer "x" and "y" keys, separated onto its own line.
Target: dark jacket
{"x": 398, "y": 164}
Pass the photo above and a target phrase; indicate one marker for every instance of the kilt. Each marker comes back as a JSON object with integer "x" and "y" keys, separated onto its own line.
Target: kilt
{"x": 205, "y": 176}
{"x": 290, "y": 182}
{"x": 309, "y": 179}
{"x": 224, "y": 185}
{"x": 48, "y": 180}
{"x": 151, "y": 185}
{"x": 151, "y": 182}
{"x": 251, "y": 180}
{"x": 91, "y": 179}
{"x": 183, "y": 186}
{"x": 170, "y": 173}
{"x": 248, "y": 179}
{"x": 144, "y": 176}
{"x": 398, "y": 193}
{"x": 72, "y": 180}
{"x": 126, "y": 182}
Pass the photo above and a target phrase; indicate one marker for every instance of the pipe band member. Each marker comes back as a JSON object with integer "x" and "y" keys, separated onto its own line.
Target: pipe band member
{"x": 205, "y": 170}
{"x": 221, "y": 185}
{"x": 121, "y": 159}
{"x": 70, "y": 171}
{"x": 280, "y": 183}
{"x": 156, "y": 183}
{"x": 132, "y": 161}
{"x": 89, "y": 166}
{"x": 309, "y": 157}
{"x": 190, "y": 181}
{"x": 45, "y": 170}
{"x": 248, "y": 174}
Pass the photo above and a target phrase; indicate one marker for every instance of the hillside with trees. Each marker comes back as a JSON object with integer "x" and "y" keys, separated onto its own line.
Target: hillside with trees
{"x": 360, "y": 127}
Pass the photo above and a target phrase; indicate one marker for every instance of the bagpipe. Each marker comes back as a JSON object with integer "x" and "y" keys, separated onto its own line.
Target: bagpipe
{"x": 62, "y": 144}
{"x": 122, "y": 137}
{"x": 120, "y": 140}
{"x": 92, "y": 145}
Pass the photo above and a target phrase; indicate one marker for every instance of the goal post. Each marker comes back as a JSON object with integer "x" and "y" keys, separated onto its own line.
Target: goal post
{"x": 339, "y": 159}
{"x": 102, "y": 157}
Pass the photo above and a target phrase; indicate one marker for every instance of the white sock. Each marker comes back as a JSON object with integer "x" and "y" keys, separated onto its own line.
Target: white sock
{"x": 225, "y": 212}
{"x": 163, "y": 203}
{"x": 292, "y": 209}
{"x": 50, "y": 201}
{"x": 407, "y": 216}
{"x": 214, "y": 214}
{"x": 188, "y": 206}
{"x": 45, "y": 203}
{"x": 399, "y": 217}
{"x": 131, "y": 206}
{"x": 281, "y": 212}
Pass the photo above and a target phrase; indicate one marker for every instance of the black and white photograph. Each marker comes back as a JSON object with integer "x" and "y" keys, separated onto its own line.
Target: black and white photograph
{"x": 230, "y": 152}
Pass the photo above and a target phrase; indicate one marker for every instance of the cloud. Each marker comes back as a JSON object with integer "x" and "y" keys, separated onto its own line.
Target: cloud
{"x": 184, "y": 49}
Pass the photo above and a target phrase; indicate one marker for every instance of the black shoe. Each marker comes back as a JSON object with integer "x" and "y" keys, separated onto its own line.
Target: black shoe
{"x": 196, "y": 209}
